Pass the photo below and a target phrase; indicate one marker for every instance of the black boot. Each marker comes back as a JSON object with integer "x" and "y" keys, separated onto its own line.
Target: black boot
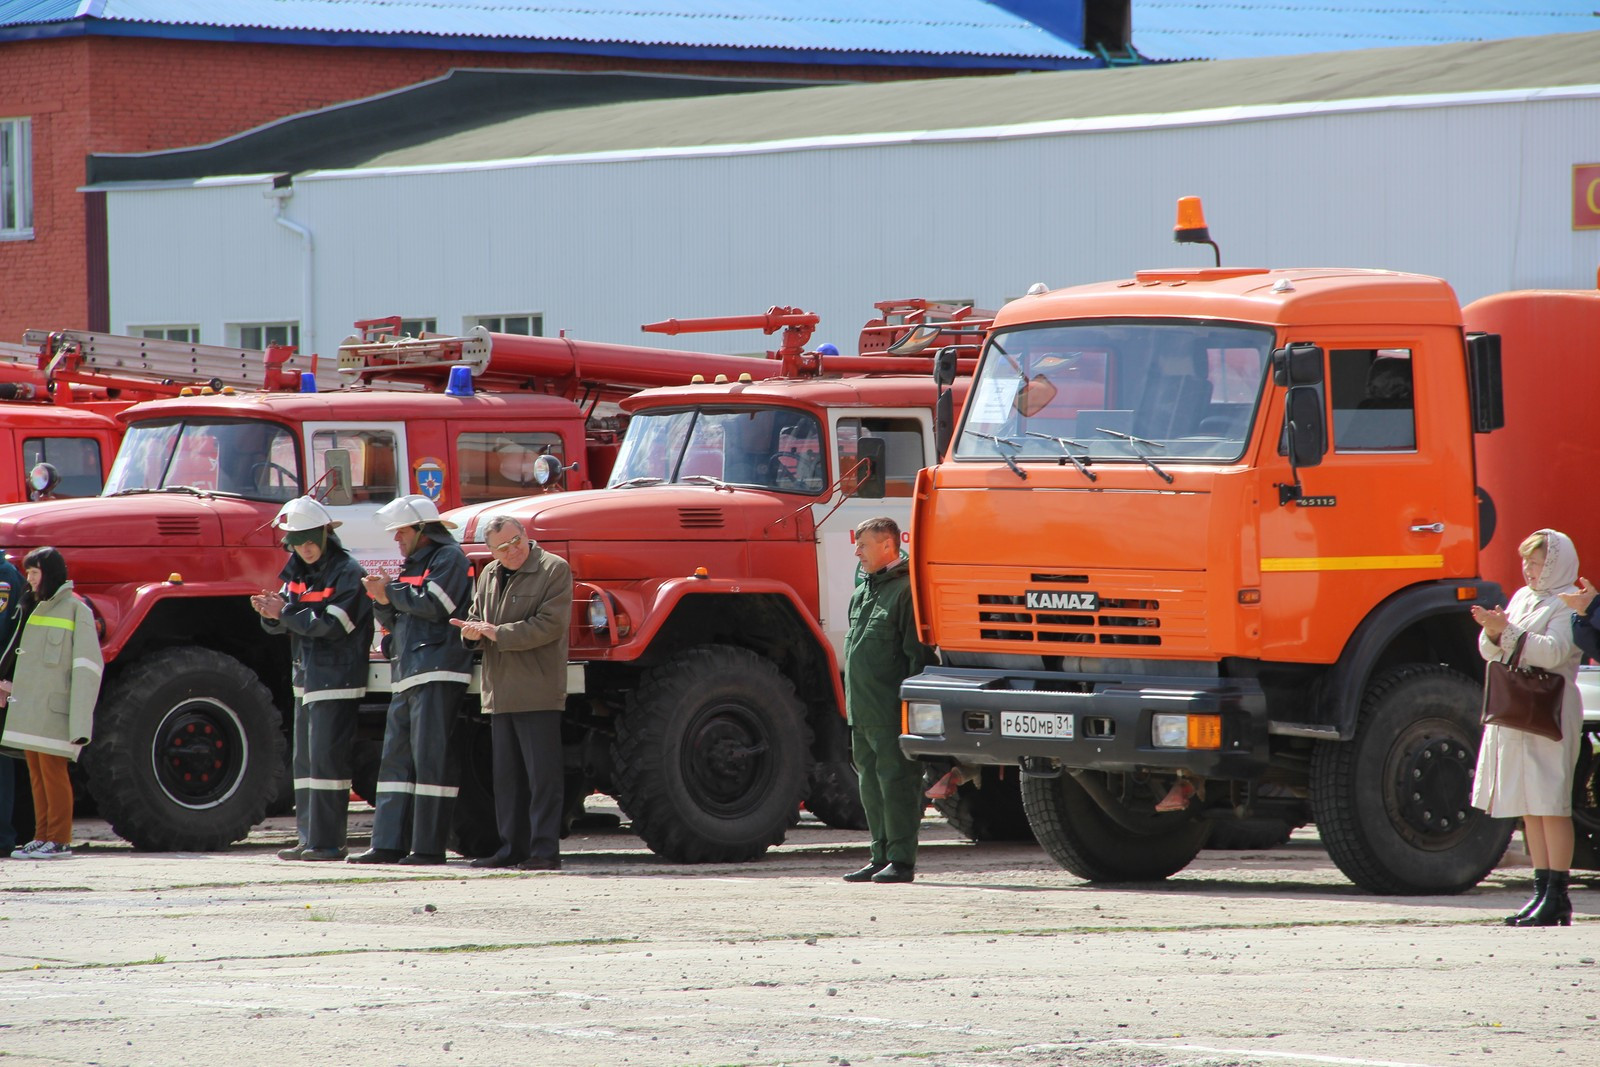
{"x": 1541, "y": 882}
{"x": 1556, "y": 908}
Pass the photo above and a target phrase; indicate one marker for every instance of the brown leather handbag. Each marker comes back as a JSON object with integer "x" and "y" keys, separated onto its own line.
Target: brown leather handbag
{"x": 1523, "y": 698}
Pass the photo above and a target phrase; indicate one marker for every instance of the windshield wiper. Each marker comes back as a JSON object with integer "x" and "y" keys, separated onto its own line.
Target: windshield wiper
{"x": 715, "y": 483}
{"x": 1020, "y": 473}
{"x": 1062, "y": 443}
{"x": 132, "y": 489}
{"x": 1146, "y": 460}
{"x": 643, "y": 479}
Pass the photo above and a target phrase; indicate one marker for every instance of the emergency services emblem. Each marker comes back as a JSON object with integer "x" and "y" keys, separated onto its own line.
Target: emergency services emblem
{"x": 429, "y": 474}
{"x": 5, "y": 602}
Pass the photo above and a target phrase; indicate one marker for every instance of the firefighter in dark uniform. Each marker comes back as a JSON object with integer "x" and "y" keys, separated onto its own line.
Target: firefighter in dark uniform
{"x": 431, "y": 669}
{"x": 328, "y": 617}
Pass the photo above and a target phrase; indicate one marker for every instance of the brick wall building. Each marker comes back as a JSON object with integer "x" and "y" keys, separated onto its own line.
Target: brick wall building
{"x": 90, "y": 78}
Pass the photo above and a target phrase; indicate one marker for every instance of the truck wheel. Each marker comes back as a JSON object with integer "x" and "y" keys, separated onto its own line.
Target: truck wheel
{"x": 711, "y": 756}
{"x": 1392, "y": 803}
{"x": 990, "y": 811}
{"x": 1083, "y": 838}
{"x": 474, "y": 831}
{"x": 187, "y": 751}
{"x": 835, "y": 795}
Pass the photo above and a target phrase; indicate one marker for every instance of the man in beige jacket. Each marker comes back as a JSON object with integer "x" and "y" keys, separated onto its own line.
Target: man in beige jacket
{"x": 520, "y": 617}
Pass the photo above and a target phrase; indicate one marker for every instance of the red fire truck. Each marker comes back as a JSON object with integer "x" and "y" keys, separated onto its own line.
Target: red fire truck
{"x": 713, "y": 576}
{"x": 188, "y": 745}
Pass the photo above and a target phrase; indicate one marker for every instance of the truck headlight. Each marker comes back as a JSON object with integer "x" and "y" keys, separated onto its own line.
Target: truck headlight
{"x": 924, "y": 718}
{"x": 599, "y": 613}
{"x": 1186, "y": 731}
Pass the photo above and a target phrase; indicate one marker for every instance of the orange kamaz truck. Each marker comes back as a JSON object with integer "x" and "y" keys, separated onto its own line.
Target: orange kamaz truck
{"x": 1203, "y": 548}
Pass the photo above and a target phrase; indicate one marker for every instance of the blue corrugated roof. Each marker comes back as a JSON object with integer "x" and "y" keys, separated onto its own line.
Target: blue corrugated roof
{"x": 1240, "y": 29}
{"x": 922, "y": 27}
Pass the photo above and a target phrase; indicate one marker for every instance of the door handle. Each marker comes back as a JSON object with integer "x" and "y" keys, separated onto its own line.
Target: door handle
{"x": 1428, "y": 527}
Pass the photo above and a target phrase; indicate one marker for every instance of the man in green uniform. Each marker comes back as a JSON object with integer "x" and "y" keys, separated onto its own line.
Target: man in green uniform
{"x": 881, "y": 650}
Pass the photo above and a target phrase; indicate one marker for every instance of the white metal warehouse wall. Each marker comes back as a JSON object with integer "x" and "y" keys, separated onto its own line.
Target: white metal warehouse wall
{"x": 1473, "y": 188}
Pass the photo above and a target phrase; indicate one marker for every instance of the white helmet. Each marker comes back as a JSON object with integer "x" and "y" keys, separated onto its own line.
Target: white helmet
{"x": 303, "y": 513}
{"x": 413, "y": 510}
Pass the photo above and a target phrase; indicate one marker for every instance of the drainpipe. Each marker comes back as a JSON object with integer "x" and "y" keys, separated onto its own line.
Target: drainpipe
{"x": 282, "y": 189}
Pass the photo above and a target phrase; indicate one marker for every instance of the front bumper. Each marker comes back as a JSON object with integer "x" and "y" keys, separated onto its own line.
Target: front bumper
{"x": 1112, "y": 717}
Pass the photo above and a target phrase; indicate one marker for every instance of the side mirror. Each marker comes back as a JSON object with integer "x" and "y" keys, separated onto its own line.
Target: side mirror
{"x": 1297, "y": 365}
{"x": 339, "y": 491}
{"x": 944, "y": 366}
{"x": 547, "y": 470}
{"x": 1483, "y": 381}
{"x": 1304, "y": 427}
{"x": 944, "y": 423}
{"x": 872, "y": 451}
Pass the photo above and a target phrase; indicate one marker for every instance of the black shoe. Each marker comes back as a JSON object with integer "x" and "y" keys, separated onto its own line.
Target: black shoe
{"x": 322, "y": 855}
{"x": 292, "y": 853}
{"x": 376, "y": 855}
{"x": 1541, "y": 883}
{"x": 1555, "y": 909}
{"x": 423, "y": 859}
{"x": 496, "y": 860}
{"x": 865, "y": 874}
{"x": 540, "y": 863}
{"x": 896, "y": 872}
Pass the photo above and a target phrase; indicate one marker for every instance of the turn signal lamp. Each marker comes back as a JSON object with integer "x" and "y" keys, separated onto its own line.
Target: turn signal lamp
{"x": 1466, "y": 592}
{"x": 1249, "y": 596}
{"x": 1186, "y": 731}
{"x": 175, "y": 578}
{"x": 701, "y": 572}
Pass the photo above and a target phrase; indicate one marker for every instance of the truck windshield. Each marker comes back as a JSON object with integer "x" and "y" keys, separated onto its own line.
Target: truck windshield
{"x": 1117, "y": 391}
{"x": 245, "y": 457}
{"x": 767, "y": 448}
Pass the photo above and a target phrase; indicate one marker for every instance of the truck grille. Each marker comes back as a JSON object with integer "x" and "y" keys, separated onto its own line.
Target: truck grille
{"x": 1131, "y": 609}
{"x": 700, "y": 518}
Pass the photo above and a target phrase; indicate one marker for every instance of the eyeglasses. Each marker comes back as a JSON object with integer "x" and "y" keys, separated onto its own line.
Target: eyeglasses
{"x": 513, "y": 543}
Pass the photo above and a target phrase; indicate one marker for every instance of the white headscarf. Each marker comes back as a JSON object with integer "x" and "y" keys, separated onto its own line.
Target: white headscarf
{"x": 1560, "y": 574}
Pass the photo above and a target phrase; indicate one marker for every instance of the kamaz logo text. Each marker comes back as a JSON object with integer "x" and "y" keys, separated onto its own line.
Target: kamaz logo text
{"x": 1050, "y": 600}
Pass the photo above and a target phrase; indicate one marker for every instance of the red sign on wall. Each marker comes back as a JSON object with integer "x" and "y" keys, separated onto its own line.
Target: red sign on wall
{"x": 1586, "y": 196}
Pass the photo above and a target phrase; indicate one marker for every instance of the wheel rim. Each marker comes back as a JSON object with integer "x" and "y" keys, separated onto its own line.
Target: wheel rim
{"x": 1429, "y": 785}
{"x": 725, "y": 762}
{"x": 199, "y": 753}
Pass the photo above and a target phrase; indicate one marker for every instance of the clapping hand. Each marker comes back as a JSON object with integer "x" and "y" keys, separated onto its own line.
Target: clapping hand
{"x": 478, "y": 631}
{"x": 268, "y": 605}
{"x": 1580, "y": 600}
{"x": 1493, "y": 620}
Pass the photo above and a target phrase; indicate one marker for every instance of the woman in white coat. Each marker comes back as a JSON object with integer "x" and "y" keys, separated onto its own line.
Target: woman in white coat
{"x": 1522, "y": 774}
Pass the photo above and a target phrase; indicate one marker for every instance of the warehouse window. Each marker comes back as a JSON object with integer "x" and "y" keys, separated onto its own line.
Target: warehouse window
{"x": 259, "y": 335}
{"x": 186, "y": 334}
{"x": 528, "y": 325}
{"x": 16, "y": 179}
{"x": 418, "y": 327}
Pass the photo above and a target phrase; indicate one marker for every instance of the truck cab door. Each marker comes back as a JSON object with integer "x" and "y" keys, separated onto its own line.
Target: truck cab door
{"x": 908, "y": 438}
{"x": 377, "y": 456}
{"x": 1377, "y": 514}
